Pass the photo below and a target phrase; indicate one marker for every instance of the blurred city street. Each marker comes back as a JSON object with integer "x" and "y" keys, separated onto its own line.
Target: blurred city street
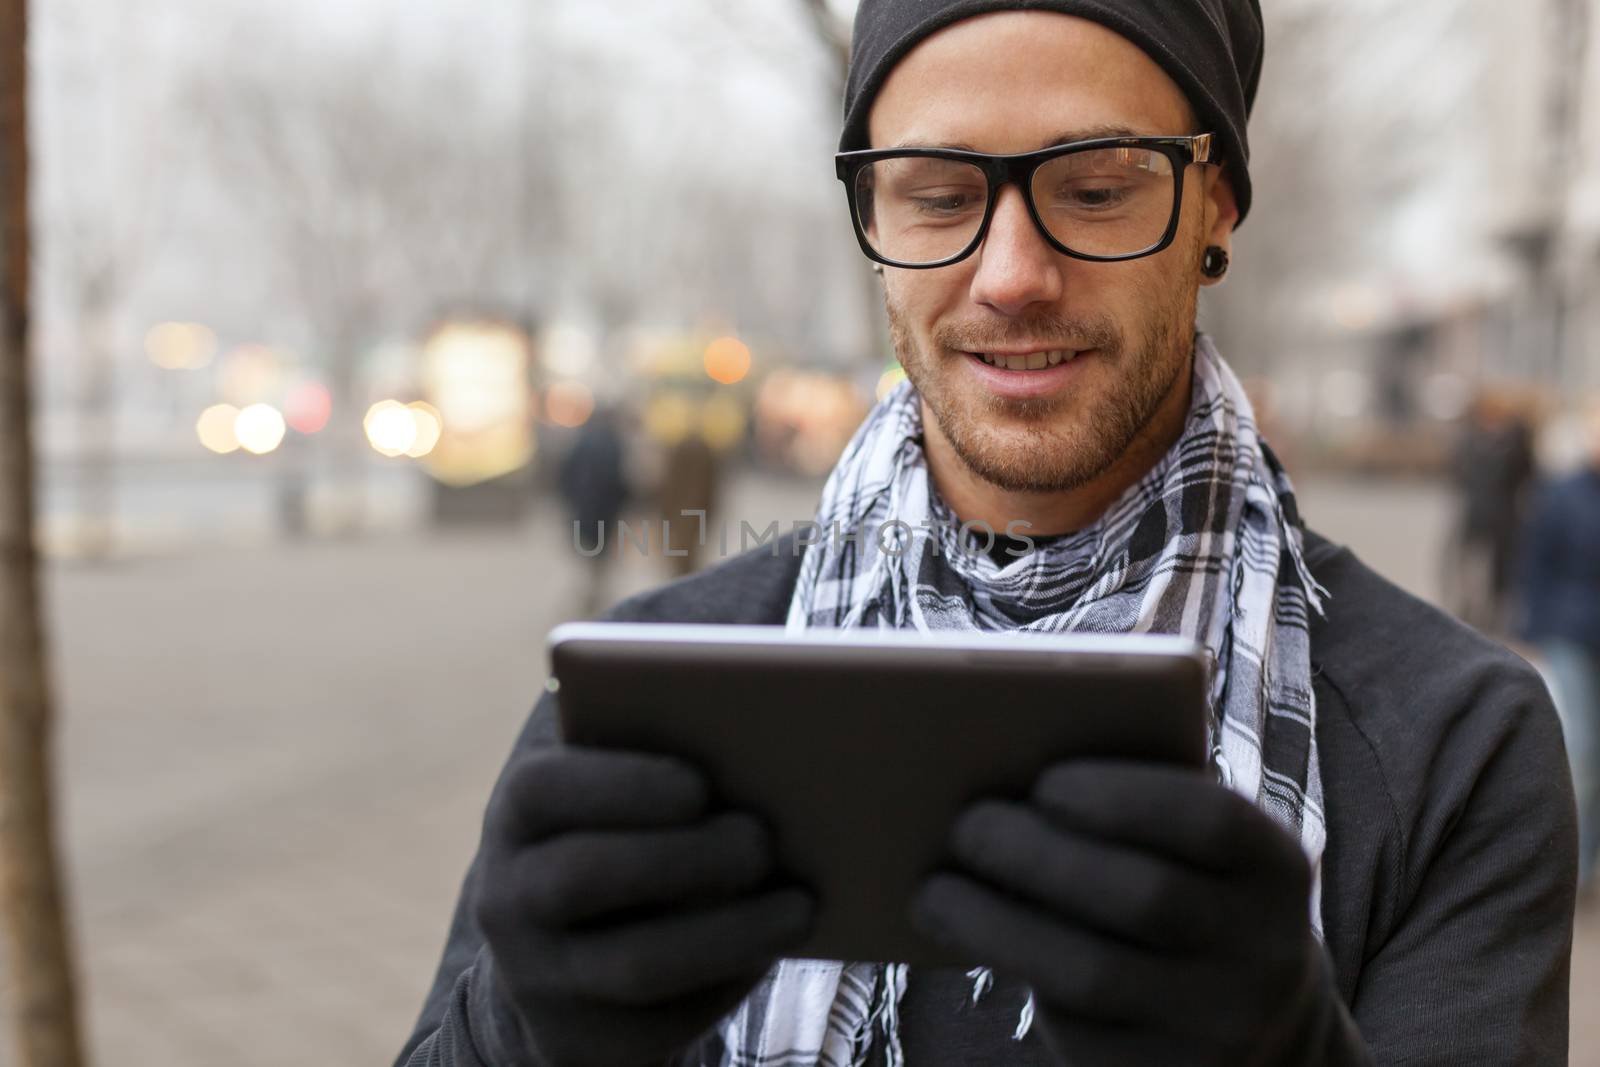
{"x": 324, "y": 720}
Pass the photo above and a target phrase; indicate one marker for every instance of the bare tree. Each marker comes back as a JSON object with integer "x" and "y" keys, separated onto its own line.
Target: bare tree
{"x": 380, "y": 188}
{"x": 105, "y": 208}
{"x": 32, "y": 889}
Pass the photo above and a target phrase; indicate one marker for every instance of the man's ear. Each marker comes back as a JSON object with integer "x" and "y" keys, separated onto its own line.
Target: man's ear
{"x": 1221, "y": 212}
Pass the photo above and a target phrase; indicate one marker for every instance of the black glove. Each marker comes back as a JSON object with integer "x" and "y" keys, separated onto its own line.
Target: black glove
{"x": 622, "y": 917}
{"x": 1159, "y": 918}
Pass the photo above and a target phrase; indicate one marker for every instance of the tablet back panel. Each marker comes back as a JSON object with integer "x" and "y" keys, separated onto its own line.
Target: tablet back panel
{"x": 860, "y": 749}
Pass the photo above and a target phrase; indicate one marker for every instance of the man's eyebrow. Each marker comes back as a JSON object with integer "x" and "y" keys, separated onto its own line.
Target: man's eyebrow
{"x": 1087, "y": 133}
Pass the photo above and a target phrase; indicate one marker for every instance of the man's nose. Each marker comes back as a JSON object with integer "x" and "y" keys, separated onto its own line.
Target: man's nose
{"x": 1016, "y": 267}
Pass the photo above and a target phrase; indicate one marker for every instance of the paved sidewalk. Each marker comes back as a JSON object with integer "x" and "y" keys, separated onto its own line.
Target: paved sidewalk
{"x": 275, "y": 762}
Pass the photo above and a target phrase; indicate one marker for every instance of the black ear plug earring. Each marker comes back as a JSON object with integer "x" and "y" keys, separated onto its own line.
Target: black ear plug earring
{"x": 1215, "y": 263}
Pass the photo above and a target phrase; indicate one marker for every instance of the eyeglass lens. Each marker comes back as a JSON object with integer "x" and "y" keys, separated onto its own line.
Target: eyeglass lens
{"x": 1097, "y": 202}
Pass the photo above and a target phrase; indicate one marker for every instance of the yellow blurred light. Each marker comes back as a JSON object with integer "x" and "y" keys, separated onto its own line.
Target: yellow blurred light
{"x": 425, "y": 417}
{"x": 391, "y": 427}
{"x": 476, "y": 374}
{"x": 890, "y": 378}
{"x": 727, "y": 360}
{"x": 722, "y": 421}
{"x": 475, "y": 377}
{"x": 668, "y": 418}
{"x": 215, "y": 428}
{"x": 259, "y": 428}
{"x": 180, "y": 345}
{"x": 466, "y": 459}
{"x": 569, "y": 403}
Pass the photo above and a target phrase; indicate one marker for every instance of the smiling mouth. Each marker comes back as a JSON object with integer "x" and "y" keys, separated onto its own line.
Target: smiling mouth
{"x": 1029, "y": 360}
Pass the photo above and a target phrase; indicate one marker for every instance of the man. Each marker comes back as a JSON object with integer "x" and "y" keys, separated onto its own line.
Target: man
{"x": 1493, "y": 470}
{"x": 1561, "y": 620}
{"x": 1380, "y": 867}
{"x": 593, "y": 482}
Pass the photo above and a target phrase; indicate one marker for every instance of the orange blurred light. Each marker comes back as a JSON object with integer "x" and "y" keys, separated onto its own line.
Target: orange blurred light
{"x": 569, "y": 403}
{"x": 727, "y": 360}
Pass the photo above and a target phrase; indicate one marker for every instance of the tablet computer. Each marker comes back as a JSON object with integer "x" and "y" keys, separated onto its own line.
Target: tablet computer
{"x": 859, "y": 748}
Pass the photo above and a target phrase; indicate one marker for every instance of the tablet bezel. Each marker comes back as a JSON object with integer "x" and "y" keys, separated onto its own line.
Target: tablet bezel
{"x": 603, "y": 672}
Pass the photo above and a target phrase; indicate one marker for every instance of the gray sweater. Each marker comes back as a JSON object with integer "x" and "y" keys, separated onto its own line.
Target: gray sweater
{"x": 1448, "y": 877}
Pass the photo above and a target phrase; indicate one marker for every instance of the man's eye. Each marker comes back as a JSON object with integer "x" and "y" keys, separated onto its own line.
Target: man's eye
{"x": 1094, "y": 196}
{"x": 944, "y": 203}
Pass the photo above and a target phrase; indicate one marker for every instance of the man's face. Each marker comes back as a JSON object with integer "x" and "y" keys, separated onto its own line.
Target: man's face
{"x": 1017, "y": 82}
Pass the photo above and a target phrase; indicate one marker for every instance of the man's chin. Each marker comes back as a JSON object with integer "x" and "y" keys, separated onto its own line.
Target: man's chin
{"x": 1025, "y": 455}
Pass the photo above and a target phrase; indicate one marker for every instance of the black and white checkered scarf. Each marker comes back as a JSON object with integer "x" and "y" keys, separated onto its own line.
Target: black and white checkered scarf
{"x": 1207, "y": 545}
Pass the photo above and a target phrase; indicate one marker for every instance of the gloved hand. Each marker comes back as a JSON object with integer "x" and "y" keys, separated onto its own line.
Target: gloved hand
{"x": 1158, "y": 917}
{"x": 624, "y": 917}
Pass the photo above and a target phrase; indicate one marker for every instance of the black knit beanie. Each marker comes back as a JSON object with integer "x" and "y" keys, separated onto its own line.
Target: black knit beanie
{"x": 1211, "y": 48}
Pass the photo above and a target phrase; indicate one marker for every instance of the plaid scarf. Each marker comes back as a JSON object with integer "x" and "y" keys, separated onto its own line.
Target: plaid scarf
{"x": 1207, "y": 544}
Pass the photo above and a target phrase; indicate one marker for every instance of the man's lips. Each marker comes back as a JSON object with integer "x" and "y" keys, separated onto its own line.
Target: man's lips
{"x": 1035, "y": 374}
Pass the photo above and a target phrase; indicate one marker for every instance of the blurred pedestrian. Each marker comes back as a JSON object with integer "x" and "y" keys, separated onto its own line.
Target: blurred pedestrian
{"x": 594, "y": 485}
{"x": 1561, "y": 620}
{"x": 1493, "y": 471}
{"x": 689, "y": 483}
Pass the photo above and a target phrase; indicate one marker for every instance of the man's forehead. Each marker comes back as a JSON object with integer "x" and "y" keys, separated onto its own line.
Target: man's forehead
{"x": 1020, "y": 80}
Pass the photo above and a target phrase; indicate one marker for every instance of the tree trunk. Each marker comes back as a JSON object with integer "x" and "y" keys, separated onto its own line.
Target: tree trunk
{"x": 45, "y": 1005}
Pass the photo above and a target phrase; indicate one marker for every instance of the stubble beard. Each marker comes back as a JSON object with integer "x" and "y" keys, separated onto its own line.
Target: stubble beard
{"x": 1058, "y": 443}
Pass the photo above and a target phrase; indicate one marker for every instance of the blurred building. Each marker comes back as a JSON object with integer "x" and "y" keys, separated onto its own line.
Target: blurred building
{"x": 1541, "y": 140}
{"x": 1427, "y": 220}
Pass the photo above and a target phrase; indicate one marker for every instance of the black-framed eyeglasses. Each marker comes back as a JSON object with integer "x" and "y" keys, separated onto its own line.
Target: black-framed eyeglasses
{"x": 1105, "y": 200}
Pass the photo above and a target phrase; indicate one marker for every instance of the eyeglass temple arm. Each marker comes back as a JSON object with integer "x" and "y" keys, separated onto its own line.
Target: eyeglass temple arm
{"x": 1200, "y": 148}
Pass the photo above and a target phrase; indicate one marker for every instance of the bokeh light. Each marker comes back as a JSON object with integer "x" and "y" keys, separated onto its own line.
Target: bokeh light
{"x": 475, "y": 377}
{"x": 569, "y": 403}
{"x": 428, "y": 427}
{"x": 259, "y": 428}
{"x": 476, "y": 374}
{"x": 727, "y": 360}
{"x": 215, "y": 428}
{"x": 180, "y": 345}
{"x": 668, "y": 417}
{"x": 722, "y": 421}
{"x": 390, "y": 427}
{"x": 308, "y": 407}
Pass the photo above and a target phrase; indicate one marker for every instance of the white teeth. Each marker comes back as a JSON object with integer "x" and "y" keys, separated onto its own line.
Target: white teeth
{"x": 1030, "y": 361}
